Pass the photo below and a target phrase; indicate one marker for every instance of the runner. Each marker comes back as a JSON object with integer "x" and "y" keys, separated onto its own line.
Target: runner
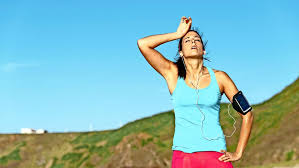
{"x": 196, "y": 92}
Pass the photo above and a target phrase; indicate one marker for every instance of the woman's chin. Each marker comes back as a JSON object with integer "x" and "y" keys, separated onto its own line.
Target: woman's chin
{"x": 197, "y": 55}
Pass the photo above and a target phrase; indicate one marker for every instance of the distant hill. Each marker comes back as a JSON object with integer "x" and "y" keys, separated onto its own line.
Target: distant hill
{"x": 147, "y": 142}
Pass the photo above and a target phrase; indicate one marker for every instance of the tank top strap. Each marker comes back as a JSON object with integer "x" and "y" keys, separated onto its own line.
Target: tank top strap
{"x": 212, "y": 74}
{"x": 178, "y": 86}
{"x": 180, "y": 82}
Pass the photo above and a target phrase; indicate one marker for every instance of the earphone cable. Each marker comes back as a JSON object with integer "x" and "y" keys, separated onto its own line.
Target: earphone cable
{"x": 197, "y": 92}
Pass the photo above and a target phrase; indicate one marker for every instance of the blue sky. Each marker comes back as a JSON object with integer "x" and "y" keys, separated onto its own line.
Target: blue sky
{"x": 75, "y": 65}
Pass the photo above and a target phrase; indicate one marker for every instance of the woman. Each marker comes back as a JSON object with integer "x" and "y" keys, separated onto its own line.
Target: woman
{"x": 196, "y": 92}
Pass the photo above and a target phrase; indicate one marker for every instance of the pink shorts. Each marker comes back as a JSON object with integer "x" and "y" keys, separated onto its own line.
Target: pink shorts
{"x": 202, "y": 159}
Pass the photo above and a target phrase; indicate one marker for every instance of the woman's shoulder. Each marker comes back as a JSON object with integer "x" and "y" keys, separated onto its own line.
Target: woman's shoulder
{"x": 222, "y": 78}
{"x": 220, "y": 74}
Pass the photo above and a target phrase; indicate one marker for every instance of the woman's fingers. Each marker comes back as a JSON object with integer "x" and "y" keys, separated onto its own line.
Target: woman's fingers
{"x": 184, "y": 26}
{"x": 224, "y": 158}
{"x": 227, "y": 160}
{"x": 189, "y": 20}
{"x": 185, "y": 20}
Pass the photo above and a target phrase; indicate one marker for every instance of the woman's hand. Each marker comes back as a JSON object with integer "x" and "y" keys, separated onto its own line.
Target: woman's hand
{"x": 228, "y": 157}
{"x": 184, "y": 26}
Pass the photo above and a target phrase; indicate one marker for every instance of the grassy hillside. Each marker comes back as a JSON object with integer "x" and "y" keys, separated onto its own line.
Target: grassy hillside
{"x": 147, "y": 142}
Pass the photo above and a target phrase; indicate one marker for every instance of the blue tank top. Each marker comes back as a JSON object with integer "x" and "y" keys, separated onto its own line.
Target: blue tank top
{"x": 188, "y": 119}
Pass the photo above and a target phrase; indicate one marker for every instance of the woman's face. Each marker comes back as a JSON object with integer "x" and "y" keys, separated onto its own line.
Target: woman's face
{"x": 192, "y": 45}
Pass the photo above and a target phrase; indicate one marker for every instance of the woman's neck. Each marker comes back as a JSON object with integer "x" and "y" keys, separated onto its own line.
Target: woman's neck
{"x": 194, "y": 68}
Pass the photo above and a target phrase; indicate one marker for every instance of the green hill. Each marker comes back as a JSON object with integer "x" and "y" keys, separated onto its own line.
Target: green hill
{"x": 147, "y": 142}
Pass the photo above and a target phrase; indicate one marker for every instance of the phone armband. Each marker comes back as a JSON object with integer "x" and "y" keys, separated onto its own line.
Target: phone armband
{"x": 241, "y": 104}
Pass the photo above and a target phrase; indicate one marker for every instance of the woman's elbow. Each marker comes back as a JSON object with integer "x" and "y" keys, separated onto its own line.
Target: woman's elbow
{"x": 249, "y": 116}
{"x": 140, "y": 42}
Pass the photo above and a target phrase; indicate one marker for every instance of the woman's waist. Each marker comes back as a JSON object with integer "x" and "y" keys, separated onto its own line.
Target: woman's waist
{"x": 197, "y": 133}
{"x": 198, "y": 119}
{"x": 203, "y": 153}
{"x": 194, "y": 109}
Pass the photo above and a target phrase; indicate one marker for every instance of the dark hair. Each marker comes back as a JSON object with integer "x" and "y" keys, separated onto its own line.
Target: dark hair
{"x": 179, "y": 61}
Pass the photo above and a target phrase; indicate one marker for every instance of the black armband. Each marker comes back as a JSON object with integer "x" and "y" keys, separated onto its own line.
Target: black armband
{"x": 241, "y": 104}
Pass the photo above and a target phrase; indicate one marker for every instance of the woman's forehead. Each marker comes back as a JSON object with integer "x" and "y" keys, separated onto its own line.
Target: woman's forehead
{"x": 191, "y": 34}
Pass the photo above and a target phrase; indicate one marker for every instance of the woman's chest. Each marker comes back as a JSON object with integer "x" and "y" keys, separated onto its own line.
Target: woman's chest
{"x": 185, "y": 97}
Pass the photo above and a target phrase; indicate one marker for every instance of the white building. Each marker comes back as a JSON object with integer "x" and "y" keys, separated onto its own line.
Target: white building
{"x": 32, "y": 131}
{"x": 41, "y": 131}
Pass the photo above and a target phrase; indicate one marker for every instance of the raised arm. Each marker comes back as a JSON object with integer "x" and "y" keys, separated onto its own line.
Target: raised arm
{"x": 147, "y": 44}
